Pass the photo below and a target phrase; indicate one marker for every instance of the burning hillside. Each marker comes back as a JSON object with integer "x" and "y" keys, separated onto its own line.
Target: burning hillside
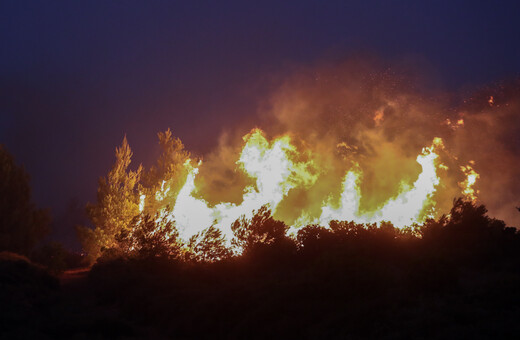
{"x": 346, "y": 144}
{"x": 280, "y": 172}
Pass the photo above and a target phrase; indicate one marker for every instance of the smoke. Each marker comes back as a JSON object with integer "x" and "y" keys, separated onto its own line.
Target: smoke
{"x": 491, "y": 138}
{"x": 363, "y": 115}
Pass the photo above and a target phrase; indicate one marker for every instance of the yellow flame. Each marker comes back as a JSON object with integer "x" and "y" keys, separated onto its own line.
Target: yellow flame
{"x": 409, "y": 206}
{"x": 403, "y": 210}
{"x": 142, "y": 198}
{"x": 274, "y": 172}
{"x": 467, "y": 185}
{"x": 349, "y": 201}
{"x": 161, "y": 193}
{"x": 276, "y": 167}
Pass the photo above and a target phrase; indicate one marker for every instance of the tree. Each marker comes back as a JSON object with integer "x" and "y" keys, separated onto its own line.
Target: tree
{"x": 149, "y": 237}
{"x": 260, "y": 232}
{"x": 208, "y": 246}
{"x": 22, "y": 225}
{"x": 116, "y": 207}
{"x": 313, "y": 238}
{"x": 167, "y": 176}
{"x": 173, "y": 155}
{"x": 468, "y": 233}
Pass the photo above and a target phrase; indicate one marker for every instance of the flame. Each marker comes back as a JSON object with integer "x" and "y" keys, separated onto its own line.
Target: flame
{"x": 277, "y": 167}
{"x": 471, "y": 178}
{"x": 409, "y": 207}
{"x": 161, "y": 193}
{"x": 349, "y": 201}
{"x": 142, "y": 198}
{"x": 270, "y": 164}
{"x": 343, "y": 147}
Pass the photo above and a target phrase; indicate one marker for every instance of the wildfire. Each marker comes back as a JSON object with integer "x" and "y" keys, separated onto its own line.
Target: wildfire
{"x": 349, "y": 147}
{"x": 278, "y": 171}
{"x": 411, "y": 205}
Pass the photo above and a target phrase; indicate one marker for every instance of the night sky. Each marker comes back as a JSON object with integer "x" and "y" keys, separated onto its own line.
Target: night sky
{"x": 76, "y": 76}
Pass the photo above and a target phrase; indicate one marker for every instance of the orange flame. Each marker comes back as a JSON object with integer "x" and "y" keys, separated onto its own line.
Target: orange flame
{"x": 276, "y": 169}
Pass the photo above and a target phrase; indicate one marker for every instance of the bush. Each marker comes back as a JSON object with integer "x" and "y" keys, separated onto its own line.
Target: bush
{"x": 56, "y": 258}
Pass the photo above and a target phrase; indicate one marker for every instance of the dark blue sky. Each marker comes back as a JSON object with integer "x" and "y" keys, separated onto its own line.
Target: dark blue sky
{"x": 75, "y": 76}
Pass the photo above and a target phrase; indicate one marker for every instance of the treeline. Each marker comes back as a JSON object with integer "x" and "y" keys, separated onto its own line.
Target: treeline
{"x": 465, "y": 234}
{"x": 23, "y": 226}
{"x": 454, "y": 277}
{"x": 129, "y": 218}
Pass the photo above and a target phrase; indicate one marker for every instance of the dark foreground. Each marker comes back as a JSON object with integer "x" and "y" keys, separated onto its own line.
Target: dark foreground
{"x": 456, "y": 278}
{"x": 387, "y": 292}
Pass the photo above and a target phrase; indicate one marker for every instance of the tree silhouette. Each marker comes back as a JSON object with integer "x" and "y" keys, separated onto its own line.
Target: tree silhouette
{"x": 22, "y": 225}
{"x": 313, "y": 238}
{"x": 168, "y": 172}
{"x": 208, "y": 246}
{"x": 347, "y": 280}
{"x": 468, "y": 233}
{"x": 148, "y": 237}
{"x": 261, "y": 236}
{"x": 117, "y": 205}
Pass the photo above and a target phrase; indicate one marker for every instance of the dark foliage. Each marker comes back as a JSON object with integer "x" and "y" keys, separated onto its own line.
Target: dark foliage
{"x": 262, "y": 238}
{"x": 57, "y": 258}
{"x": 147, "y": 237}
{"x": 26, "y": 292}
{"x": 456, "y": 277}
{"x": 467, "y": 234}
{"x": 22, "y": 225}
{"x": 208, "y": 246}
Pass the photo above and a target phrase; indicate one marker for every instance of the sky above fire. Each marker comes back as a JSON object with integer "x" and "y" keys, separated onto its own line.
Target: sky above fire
{"x": 75, "y": 77}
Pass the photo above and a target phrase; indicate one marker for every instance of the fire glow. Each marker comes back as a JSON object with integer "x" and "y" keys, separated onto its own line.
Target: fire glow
{"x": 343, "y": 143}
{"x": 277, "y": 170}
